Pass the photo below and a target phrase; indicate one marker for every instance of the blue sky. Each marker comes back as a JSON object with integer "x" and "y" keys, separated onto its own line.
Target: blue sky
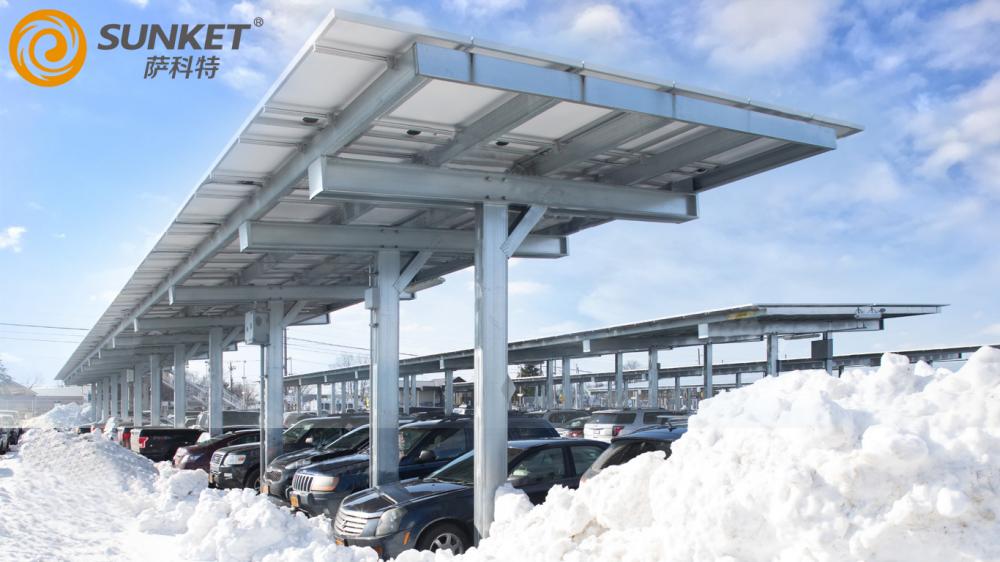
{"x": 92, "y": 171}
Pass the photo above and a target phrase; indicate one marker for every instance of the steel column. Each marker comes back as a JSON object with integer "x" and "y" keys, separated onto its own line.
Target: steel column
{"x": 180, "y": 385}
{"x": 828, "y": 360}
{"x": 215, "y": 336}
{"x": 155, "y": 381}
{"x": 550, "y": 392}
{"x": 333, "y": 398}
{"x": 490, "y": 388}
{"x": 739, "y": 380}
{"x": 343, "y": 396}
{"x": 449, "y": 391}
{"x": 654, "y": 379}
{"x": 298, "y": 398}
{"x": 772, "y": 355}
{"x": 707, "y": 355}
{"x": 319, "y": 399}
{"x": 384, "y": 371}
{"x": 405, "y": 391}
{"x": 678, "y": 401}
{"x": 566, "y": 387}
{"x": 137, "y": 375}
{"x": 274, "y": 399}
{"x": 121, "y": 391}
{"x": 619, "y": 383}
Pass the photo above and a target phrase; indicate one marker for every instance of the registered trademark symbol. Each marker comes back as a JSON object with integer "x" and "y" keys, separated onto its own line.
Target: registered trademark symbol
{"x": 258, "y": 22}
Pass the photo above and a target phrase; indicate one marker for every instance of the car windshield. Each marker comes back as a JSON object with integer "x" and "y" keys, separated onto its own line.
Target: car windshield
{"x": 351, "y": 440}
{"x": 294, "y": 433}
{"x": 411, "y": 437}
{"x": 614, "y": 417}
{"x": 462, "y": 469}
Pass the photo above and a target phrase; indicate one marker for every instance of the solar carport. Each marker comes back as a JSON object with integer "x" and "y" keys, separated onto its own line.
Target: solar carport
{"x": 388, "y": 156}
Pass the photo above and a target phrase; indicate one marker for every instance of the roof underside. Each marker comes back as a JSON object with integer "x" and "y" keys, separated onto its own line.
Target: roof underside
{"x": 731, "y": 325}
{"x": 366, "y": 99}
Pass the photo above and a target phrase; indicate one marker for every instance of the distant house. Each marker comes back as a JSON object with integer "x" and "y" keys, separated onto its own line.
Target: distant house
{"x": 30, "y": 402}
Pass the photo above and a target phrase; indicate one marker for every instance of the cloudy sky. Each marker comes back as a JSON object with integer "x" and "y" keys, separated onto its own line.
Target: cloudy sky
{"x": 92, "y": 171}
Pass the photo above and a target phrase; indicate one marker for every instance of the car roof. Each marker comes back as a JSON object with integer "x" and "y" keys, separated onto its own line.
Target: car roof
{"x": 530, "y": 443}
{"x": 465, "y": 421}
{"x": 653, "y": 434}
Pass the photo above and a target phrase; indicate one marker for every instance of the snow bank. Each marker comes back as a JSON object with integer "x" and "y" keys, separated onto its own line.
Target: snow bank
{"x": 62, "y": 416}
{"x": 901, "y": 464}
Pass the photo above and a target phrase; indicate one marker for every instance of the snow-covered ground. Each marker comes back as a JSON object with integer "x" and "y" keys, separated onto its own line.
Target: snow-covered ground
{"x": 900, "y": 464}
{"x": 62, "y": 416}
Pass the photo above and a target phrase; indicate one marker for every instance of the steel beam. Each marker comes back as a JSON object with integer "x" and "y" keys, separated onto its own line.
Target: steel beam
{"x": 186, "y": 323}
{"x": 215, "y": 336}
{"x": 384, "y": 305}
{"x": 273, "y": 405}
{"x": 773, "y": 368}
{"x": 512, "y": 75}
{"x": 327, "y": 238}
{"x": 254, "y": 293}
{"x": 619, "y": 382}
{"x": 594, "y": 141}
{"x": 654, "y": 379}
{"x": 550, "y": 392}
{"x": 180, "y": 385}
{"x": 695, "y": 150}
{"x": 449, "y": 391}
{"x": 707, "y": 361}
{"x": 402, "y": 183}
{"x": 490, "y": 390}
{"x": 489, "y": 127}
{"x": 567, "y": 386}
{"x": 155, "y": 383}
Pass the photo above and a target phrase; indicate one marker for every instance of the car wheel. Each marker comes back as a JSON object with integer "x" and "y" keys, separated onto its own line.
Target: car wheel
{"x": 444, "y": 536}
{"x": 253, "y": 480}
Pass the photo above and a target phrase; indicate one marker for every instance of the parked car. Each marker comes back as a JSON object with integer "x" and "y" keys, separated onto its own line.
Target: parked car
{"x": 231, "y": 418}
{"x": 206, "y": 435}
{"x": 160, "y": 443}
{"x": 560, "y": 418}
{"x": 436, "y": 513}
{"x": 292, "y": 418}
{"x": 627, "y": 447}
{"x": 574, "y": 428}
{"x": 198, "y": 455}
{"x": 423, "y": 448}
{"x": 278, "y": 476}
{"x": 238, "y": 466}
{"x": 607, "y": 424}
{"x": 7, "y": 429}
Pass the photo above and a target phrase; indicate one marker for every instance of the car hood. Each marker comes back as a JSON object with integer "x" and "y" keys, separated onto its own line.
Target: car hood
{"x": 402, "y": 494}
{"x": 245, "y": 448}
{"x": 339, "y": 465}
{"x": 312, "y": 455}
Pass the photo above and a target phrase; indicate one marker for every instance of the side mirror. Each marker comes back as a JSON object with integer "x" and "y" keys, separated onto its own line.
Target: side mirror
{"x": 426, "y": 456}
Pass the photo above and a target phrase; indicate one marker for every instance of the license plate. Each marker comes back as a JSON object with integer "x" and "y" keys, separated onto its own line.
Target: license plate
{"x": 294, "y": 500}
{"x": 211, "y": 479}
{"x": 339, "y": 542}
{"x": 264, "y": 490}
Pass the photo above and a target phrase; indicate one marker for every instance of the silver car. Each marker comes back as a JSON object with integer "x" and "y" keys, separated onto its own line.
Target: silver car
{"x": 607, "y": 424}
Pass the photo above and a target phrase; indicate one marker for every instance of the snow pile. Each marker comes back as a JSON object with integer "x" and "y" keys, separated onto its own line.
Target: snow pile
{"x": 901, "y": 464}
{"x": 62, "y": 416}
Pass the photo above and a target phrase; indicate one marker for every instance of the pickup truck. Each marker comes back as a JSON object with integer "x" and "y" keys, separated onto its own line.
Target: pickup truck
{"x": 161, "y": 443}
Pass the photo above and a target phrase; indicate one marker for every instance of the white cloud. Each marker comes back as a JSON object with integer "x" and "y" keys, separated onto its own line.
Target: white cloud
{"x": 3, "y": 4}
{"x": 599, "y": 22}
{"x": 962, "y": 132}
{"x": 10, "y": 239}
{"x": 483, "y": 8}
{"x": 753, "y": 34}
{"x": 522, "y": 288}
{"x": 138, "y": 3}
{"x": 967, "y": 36}
{"x": 992, "y": 330}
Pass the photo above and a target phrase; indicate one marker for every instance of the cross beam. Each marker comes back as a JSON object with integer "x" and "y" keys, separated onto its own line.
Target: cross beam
{"x": 323, "y": 239}
{"x": 253, "y": 293}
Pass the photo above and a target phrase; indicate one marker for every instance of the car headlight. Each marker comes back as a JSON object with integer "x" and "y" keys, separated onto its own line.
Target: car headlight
{"x": 324, "y": 484}
{"x": 297, "y": 464}
{"x": 389, "y": 522}
{"x": 232, "y": 459}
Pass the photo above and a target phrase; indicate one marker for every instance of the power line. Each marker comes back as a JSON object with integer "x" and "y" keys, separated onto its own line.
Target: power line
{"x": 365, "y": 349}
{"x": 39, "y": 340}
{"x": 41, "y": 326}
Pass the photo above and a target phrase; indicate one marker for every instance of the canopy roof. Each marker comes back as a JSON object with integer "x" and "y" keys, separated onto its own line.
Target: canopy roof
{"x": 380, "y": 127}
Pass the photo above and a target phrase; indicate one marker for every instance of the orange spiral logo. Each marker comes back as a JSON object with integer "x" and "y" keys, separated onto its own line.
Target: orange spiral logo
{"x": 57, "y": 38}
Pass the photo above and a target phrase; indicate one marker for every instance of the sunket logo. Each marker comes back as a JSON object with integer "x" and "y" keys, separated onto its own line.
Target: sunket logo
{"x": 58, "y": 64}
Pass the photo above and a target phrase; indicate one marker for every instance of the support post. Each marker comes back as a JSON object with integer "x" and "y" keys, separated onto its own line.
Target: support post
{"x": 654, "y": 379}
{"x": 550, "y": 375}
{"x": 449, "y": 391}
{"x": 215, "y": 336}
{"x": 707, "y": 355}
{"x": 739, "y": 380}
{"x": 567, "y": 386}
{"x": 490, "y": 388}
{"x": 298, "y": 398}
{"x": 414, "y": 392}
{"x": 828, "y": 346}
{"x": 384, "y": 371}
{"x": 180, "y": 385}
{"x": 155, "y": 382}
{"x": 333, "y": 398}
{"x": 137, "y": 406}
{"x": 116, "y": 396}
{"x": 772, "y": 355}
{"x": 274, "y": 395}
{"x": 678, "y": 399}
{"x": 319, "y": 398}
{"x": 619, "y": 382}
{"x": 406, "y": 395}
{"x": 343, "y": 396}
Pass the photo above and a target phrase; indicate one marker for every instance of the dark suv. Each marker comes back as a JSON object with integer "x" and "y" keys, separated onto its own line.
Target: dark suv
{"x": 278, "y": 476}
{"x": 424, "y": 447}
{"x": 628, "y": 447}
{"x": 436, "y": 513}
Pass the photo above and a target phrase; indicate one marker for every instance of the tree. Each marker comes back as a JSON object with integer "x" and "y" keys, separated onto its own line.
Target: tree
{"x": 4, "y": 377}
{"x": 631, "y": 365}
{"x": 529, "y": 370}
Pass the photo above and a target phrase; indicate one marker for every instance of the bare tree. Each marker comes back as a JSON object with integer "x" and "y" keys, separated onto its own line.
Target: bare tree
{"x": 631, "y": 365}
